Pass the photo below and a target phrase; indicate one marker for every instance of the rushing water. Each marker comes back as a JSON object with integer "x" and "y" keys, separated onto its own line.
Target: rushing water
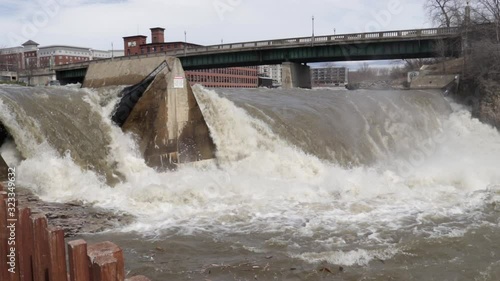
{"x": 307, "y": 185}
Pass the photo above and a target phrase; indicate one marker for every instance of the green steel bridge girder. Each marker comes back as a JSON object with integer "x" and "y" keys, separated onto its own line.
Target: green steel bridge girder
{"x": 71, "y": 73}
{"x": 372, "y": 50}
{"x": 323, "y": 53}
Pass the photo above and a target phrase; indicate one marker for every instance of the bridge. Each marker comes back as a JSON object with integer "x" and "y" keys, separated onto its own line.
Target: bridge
{"x": 294, "y": 52}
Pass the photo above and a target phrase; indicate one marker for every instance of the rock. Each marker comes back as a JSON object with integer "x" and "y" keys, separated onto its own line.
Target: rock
{"x": 488, "y": 109}
{"x": 74, "y": 218}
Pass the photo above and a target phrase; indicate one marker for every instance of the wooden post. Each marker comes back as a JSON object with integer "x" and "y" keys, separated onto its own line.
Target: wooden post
{"x": 57, "y": 253}
{"x": 40, "y": 248}
{"x": 13, "y": 242}
{"x": 25, "y": 244}
{"x": 109, "y": 249}
{"x": 4, "y": 274}
{"x": 104, "y": 268}
{"x": 78, "y": 262}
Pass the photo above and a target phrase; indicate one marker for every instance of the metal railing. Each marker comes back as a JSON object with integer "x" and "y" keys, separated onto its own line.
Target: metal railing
{"x": 296, "y": 42}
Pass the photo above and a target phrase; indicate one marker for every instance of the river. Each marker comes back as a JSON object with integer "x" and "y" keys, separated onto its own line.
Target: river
{"x": 320, "y": 184}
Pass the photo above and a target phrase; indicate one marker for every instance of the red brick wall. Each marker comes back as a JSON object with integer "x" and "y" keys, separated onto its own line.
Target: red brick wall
{"x": 232, "y": 77}
{"x": 134, "y": 48}
{"x": 11, "y": 62}
{"x": 157, "y": 35}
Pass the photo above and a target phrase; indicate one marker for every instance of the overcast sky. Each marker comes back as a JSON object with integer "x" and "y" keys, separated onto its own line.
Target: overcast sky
{"x": 99, "y": 23}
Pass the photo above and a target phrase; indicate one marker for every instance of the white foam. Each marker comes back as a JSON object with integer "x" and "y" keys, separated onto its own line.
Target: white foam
{"x": 261, "y": 184}
{"x": 348, "y": 258}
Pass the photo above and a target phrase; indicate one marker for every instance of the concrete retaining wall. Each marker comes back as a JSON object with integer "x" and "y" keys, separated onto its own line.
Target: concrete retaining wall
{"x": 122, "y": 72}
{"x": 168, "y": 122}
{"x": 433, "y": 81}
{"x": 296, "y": 75}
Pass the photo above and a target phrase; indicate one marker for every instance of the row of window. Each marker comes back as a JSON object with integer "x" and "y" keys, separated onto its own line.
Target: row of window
{"x": 222, "y": 79}
{"x": 233, "y": 71}
{"x": 61, "y": 51}
{"x": 161, "y": 49}
{"x": 213, "y": 85}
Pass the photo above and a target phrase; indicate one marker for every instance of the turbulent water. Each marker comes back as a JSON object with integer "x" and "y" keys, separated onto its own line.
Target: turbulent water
{"x": 307, "y": 185}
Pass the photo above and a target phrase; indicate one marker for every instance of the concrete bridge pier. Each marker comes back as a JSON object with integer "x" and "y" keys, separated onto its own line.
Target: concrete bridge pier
{"x": 296, "y": 75}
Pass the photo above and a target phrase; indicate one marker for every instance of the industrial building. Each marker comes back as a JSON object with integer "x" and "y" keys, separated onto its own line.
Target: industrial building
{"x": 231, "y": 77}
{"x": 29, "y": 56}
{"x": 329, "y": 76}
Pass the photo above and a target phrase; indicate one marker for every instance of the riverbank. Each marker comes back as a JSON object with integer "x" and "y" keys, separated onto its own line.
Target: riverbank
{"x": 74, "y": 217}
{"x": 482, "y": 95}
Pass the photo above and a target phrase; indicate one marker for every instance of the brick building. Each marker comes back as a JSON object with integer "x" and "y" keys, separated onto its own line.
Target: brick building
{"x": 30, "y": 56}
{"x": 231, "y": 77}
{"x": 137, "y": 45}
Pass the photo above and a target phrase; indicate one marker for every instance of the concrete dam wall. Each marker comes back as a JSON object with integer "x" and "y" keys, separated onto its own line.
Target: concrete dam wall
{"x": 166, "y": 118}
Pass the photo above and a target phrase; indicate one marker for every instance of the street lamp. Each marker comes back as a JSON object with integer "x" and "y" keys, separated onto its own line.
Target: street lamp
{"x": 312, "y": 31}
{"x": 185, "y": 42}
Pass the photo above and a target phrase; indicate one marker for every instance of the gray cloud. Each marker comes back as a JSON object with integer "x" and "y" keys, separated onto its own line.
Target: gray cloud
{"x": 98, "y": 23}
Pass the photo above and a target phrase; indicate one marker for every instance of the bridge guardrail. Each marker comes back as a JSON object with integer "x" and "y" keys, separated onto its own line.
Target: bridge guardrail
{"x": 299, "y": 41}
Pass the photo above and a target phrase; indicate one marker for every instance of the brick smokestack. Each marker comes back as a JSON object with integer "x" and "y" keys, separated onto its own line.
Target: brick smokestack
{"x": 157, "y": 35}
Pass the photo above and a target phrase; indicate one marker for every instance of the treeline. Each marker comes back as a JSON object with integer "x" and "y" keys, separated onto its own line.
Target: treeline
{"x": 480, "y": 20}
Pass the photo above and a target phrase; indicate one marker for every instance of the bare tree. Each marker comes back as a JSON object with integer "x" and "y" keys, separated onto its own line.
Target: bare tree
{"x": 445, "y": 13}
{"x": 489, "y": 12}
{"x": 29, "y": 69}
{"x": 416, "y": 64}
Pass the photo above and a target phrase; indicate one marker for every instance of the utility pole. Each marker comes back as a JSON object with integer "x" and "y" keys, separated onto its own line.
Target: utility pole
{"x": 185, "y": 42}
{"x": 466, "y": 39}
{"x": 312, "y": 41}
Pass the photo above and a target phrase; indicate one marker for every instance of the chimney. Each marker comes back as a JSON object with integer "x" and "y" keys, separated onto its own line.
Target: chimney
{"x": 157, "y": 35}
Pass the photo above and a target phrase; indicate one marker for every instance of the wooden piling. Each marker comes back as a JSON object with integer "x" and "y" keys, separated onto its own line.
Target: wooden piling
{"x": 4, "y": 232}
{"x": 78, "y": 261}
{"x": 109, "y": 249}
{"x": 41, "y": 253}
{"x": 12, "y": 235}
{"x": 25, "y": 244}
{"x": 57, "y": 252}
{"x": 104, "y": 268}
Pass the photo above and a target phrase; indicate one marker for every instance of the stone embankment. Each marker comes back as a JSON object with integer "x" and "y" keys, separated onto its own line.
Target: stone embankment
{"x": 73, "y": 217}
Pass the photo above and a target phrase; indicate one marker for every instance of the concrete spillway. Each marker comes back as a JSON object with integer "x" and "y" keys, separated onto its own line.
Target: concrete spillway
{"x": 160, "y": 109}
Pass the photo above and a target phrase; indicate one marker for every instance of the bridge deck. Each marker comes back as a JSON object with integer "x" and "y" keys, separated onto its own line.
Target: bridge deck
{"x": 223, "y": 50}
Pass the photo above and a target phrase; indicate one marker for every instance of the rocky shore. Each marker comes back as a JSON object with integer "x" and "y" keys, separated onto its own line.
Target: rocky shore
{"x": 486, "y": 101}
{"x": 75, "y": 217}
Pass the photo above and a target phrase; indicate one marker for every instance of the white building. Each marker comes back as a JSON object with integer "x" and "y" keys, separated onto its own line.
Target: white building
{"x": 271, "y": 71}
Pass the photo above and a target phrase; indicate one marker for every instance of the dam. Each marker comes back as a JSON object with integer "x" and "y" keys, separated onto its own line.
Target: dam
{"x": 159, "y": 109}
{"x": 296, "y": 184}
